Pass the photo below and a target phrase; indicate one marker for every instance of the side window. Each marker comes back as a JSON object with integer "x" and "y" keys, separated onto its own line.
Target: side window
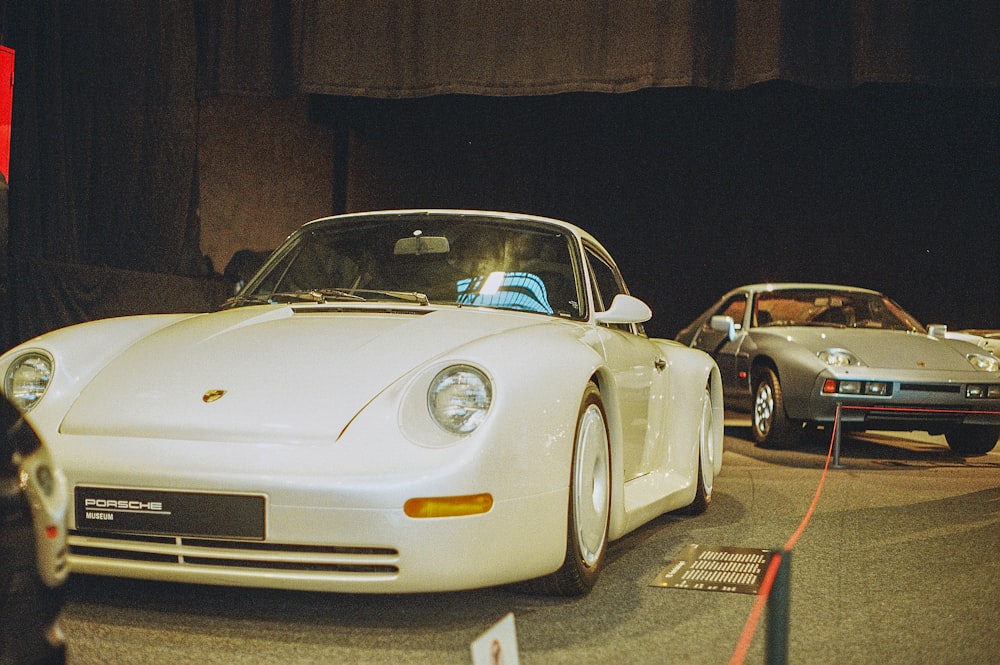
{"x": 605, "y": 286}
{"x": 735, "y": 307}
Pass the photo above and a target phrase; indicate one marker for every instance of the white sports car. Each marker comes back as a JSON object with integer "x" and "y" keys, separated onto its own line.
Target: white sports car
{"x": 398, "y": 401}
{"x": 988, "y": 339}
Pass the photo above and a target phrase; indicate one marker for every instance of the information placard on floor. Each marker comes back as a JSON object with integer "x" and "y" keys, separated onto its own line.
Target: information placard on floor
{"x": 714, "y": 568}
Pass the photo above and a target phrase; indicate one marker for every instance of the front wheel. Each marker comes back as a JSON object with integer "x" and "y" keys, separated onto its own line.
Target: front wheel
{"x": 771, "y": 426}
{"x": 589, "y": 503}
{"x": 973, "y": 439}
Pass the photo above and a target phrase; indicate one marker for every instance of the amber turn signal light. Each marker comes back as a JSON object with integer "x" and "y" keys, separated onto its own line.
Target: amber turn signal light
{"x": 448, "y": 506}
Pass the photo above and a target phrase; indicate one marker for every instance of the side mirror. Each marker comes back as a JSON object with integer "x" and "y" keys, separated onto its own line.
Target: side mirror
{"x": 724, "y": 324}
{"x": 625, "y": 309}
{"x": 937, "y": 330}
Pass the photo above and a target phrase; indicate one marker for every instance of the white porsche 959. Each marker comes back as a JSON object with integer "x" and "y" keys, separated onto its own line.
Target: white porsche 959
{"x": 398, "y": 401}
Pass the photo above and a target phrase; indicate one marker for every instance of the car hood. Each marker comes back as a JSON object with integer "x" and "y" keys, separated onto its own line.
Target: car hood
{"x": 287, "y": 373}
{"x": 881, "y": 348}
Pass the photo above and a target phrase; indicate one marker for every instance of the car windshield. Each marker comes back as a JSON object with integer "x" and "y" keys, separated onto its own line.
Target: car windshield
{"x": 457, "y": 259}
{"x": 830, "y": 308}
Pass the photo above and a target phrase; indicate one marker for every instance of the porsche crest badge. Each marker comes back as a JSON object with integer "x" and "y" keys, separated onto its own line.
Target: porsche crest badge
{"x": 212, "y": 395}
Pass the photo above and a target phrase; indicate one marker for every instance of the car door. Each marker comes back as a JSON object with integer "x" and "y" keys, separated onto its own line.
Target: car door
{"x": 729, "y": 354}
{"x": 637, "y": 366}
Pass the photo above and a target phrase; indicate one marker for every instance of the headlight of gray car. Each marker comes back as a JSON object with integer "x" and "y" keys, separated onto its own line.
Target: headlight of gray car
{"x": 838, "y": 357}
{"x": 984, "y": 362}
{"x": 27, "y": 378}
{"x": 459, "y": 398}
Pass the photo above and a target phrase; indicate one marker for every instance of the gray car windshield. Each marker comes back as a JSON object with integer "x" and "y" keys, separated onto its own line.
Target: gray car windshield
{"x": 454, "y": 259}
{"x": 837, "y": 309}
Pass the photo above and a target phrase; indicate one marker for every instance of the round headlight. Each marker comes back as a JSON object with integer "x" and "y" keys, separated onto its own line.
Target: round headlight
{"x": 984, "y": 362}
{"x": 838, "y": 357}
{"x": 459, "y": 398}
{"x": 26, "y": 380}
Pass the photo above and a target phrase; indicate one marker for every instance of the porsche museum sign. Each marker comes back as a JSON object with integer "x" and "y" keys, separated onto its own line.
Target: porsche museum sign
{"x": 103, "y": 509}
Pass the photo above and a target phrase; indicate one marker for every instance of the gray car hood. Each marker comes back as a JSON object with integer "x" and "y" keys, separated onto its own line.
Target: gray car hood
{"x": 879, "y": 348}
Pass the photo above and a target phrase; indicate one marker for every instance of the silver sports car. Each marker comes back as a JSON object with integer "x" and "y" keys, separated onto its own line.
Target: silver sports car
{"x": 792, "y": 354}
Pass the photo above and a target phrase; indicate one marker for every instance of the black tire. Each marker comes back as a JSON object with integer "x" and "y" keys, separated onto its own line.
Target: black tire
{"x": 706, "y": 464}
{"x": 589, "y": 503}
{"x": 770, "y": 425}
{"x": 973, "y": 439}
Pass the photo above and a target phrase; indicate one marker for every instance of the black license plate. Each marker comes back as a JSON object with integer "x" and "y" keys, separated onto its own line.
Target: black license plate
{"x": 169, "y": 513}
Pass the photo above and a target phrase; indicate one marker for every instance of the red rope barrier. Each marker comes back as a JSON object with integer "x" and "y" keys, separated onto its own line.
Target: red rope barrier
{"x": 750, "y": 627}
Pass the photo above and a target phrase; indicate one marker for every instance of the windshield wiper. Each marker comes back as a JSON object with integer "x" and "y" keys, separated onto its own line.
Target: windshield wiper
{"x": 313, "y": 295}
{"x": 412, "y": 296}
{"x": 820, "y": 324}
{"x": 321, "y": 296}
{"x": 240, "y": 301}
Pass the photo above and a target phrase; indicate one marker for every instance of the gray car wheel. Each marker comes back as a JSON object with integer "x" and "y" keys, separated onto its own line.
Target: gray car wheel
{"x": 771, "y": 427}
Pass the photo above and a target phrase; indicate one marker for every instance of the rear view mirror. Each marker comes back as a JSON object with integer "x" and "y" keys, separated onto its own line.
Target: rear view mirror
{"x": 420, "y": 244}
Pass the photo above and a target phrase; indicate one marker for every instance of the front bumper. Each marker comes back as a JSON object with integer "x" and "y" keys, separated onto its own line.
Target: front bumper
{"x": 331, "y": 521}
{"x": 932, "y": 406}
{"x": 348, "y": 550}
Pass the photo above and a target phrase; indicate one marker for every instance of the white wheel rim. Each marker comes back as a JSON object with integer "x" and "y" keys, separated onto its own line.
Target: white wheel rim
{"x": 763, "y": 408}
{"x": 707, "y": 443}
{"x": 591, "y": 485}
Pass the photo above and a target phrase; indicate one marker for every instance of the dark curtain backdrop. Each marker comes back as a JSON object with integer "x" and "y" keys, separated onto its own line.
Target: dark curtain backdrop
{"x": 104, "y": 155}
{"x": 386, "y": 48}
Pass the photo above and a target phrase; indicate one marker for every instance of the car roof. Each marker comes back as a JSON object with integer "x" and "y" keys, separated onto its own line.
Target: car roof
{"x": 459, "y": 212}
{"x": 779, "y": 286}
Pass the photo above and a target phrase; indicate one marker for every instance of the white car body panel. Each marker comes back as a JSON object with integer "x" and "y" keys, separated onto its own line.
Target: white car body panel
{"x": 324, "y": 415}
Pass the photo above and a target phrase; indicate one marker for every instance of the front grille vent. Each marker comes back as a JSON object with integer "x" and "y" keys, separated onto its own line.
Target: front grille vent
{"x": 234, "y": 554}
{"x": 931, "y": 387}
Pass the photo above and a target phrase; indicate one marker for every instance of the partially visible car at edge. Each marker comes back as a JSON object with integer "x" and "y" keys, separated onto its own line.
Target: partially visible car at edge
{"x": 794, "y": 354}
{"x": 987, "y": 338}
{"x": 398, "y": 401}
{"x": 33, "y": 556}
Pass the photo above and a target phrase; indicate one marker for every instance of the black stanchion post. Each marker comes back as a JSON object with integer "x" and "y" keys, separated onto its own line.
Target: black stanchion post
{"x": 836, "y": 439}
{"x": 777, "y": 612}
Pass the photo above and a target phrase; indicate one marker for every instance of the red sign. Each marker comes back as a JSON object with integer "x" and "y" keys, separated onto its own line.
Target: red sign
{"x": 6, "y": 101}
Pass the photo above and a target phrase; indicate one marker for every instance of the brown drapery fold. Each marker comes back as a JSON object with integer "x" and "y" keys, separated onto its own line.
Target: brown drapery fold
{"x": 245, "y": 47}
{"x": 389, "y": 49}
